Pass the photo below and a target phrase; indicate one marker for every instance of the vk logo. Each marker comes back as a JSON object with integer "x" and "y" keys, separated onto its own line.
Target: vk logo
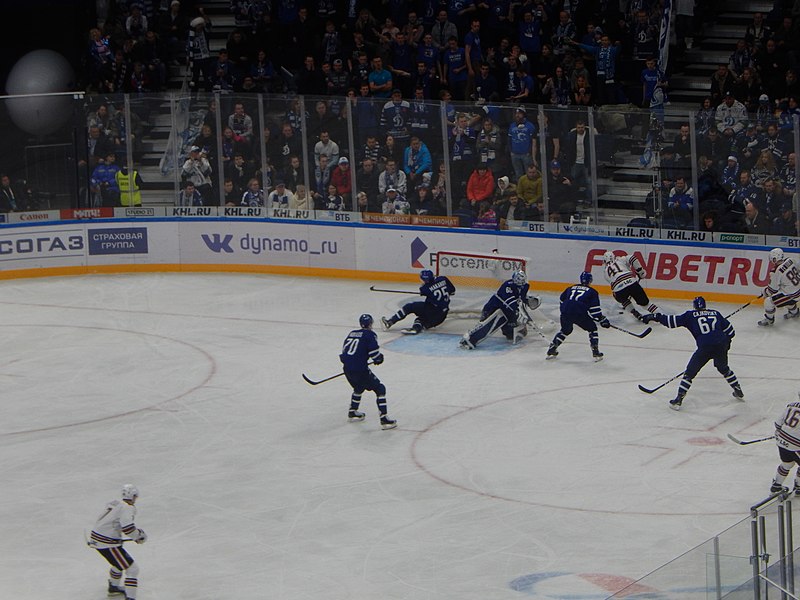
{"x": 418, "y": 249}
{"x": 217, "y": 243}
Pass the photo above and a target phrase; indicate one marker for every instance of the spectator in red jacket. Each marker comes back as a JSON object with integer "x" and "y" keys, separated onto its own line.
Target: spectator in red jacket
{"x": 480, "y": 185}
{"x": 342, "y": 179}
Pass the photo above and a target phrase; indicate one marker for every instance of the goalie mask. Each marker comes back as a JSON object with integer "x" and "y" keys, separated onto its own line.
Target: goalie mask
{"x": 519, "y": 278}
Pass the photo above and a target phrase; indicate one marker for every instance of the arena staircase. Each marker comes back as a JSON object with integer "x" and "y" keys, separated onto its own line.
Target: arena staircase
{"x": 623, "y": 184}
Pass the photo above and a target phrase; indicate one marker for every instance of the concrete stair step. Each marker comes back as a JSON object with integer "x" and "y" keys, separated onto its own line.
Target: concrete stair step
{"x": 720, "y": 43}
{"x": 699, "y": 69}
{"x": 703, "y": 56}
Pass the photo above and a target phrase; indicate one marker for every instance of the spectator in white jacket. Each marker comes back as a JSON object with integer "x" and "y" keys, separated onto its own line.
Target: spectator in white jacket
{"x": 731, "y": 116}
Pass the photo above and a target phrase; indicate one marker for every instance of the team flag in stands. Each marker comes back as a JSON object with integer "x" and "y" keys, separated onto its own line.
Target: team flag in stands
{"x": 659, "y": 98}
{"x": 663, "y": 39}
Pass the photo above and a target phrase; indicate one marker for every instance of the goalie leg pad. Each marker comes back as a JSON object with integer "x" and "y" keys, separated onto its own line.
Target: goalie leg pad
{"x": 486, "y": 327}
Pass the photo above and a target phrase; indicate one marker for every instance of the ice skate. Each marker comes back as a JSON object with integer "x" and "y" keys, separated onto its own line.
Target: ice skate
{"x": 738, "y": 393}
{"x": 792, "y": 314}
{"x": 636, "y": 314}
{"x": 466, "y": 344}
{"x": 777, "y": 487}
{"x": 387, "y": 324}
{"x": 767, "y": 321}
{"x": 115, "y": 589}
{"x": 552, "y": 352}
{"x": 675, "y": 404}
{"x": 597, "y": 355}
{"x": 796, "y": 489}
{"x": 355, "y": 415}
{"x": 387, "y": 423}
{"x": 415, "y": 329}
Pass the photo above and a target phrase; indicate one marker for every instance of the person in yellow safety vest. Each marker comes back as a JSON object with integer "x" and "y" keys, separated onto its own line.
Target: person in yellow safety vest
{"x": 130, "y": 194}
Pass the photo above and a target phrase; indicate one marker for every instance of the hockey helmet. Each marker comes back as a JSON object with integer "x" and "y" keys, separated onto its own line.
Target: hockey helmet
{"x": 426, "y": 275}
{"x": 365, "y": 321}
{"x": 776, "y": 256}
{"x": 699, "y": 303}
{"x": 519, "y": 278}
{"x": 130, "y": 492}
{"x": 586, "y": 278}
{"x": 609, "y": 257}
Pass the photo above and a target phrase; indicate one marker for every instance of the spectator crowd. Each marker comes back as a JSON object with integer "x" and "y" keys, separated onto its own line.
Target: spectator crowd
{"x": 445, "y": 94}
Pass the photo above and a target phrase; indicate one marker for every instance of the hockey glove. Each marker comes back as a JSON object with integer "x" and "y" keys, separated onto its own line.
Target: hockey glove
{"x": 140, "y": 537}
{"x": 378, "y": 360}
{"x": 647, "y": 318}
{"x": 534, "y": 302}
{"x": 605, "y": 323}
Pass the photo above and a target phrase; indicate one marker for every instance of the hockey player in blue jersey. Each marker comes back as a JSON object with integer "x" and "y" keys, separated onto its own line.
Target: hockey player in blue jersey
{"x": 502, "y": 311}
{"x": 431, "y": 311}
{"x": 580, "y": 305}
{"x": 359, "y": 348}
{"x": 713, "y": 334}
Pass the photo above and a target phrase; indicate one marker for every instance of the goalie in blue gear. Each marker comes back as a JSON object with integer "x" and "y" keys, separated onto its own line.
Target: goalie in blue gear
{"x": 431, "y": 311}
{"x": 359, "y": 348}
{"x": 580, "y": 305}
{"x": 503, "y": 311}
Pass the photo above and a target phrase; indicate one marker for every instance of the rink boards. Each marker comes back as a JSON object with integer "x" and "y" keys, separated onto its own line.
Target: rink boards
{"x": 676, "y": 268}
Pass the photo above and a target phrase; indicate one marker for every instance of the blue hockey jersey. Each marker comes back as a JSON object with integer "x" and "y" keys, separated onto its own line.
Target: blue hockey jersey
{"x": 359, "y": 347}
{"x": 507, "y": 298}
{"x": 581, "y": 300}
{"x": 707, "y": 326}
{"x": 437, "y": 293}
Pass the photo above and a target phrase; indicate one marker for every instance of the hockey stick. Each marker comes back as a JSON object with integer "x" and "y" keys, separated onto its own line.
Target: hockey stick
{"x": 761, "y": 295}
{"x": 312, "y": 382}
{"x": 671, "y": 379}
{"x": 372, "y": 288}
{"x": 650, "y": 391}
{"x": 93, "y": 544}
{"x": 745, "y": 442}
{"x": 645, "y": 333}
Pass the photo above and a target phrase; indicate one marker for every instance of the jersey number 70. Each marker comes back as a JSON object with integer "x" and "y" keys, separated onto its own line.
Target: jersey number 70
{"x": 350, "y": 346}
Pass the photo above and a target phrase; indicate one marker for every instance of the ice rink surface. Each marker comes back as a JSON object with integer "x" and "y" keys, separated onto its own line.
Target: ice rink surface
{"x": 509, "y": 477}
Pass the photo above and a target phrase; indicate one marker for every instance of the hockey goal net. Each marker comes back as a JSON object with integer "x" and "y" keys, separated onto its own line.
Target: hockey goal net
{"x": 476, "y": 276}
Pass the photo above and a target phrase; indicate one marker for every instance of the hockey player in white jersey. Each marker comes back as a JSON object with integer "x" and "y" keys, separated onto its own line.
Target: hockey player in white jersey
{"x": 787, "y": 438}
{"x": 783, "y": 288}
{"x": 114, "y": 526}
{"x": 623, "y": 274}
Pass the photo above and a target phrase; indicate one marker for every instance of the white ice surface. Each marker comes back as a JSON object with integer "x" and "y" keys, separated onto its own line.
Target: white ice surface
{"x": 254, "y": 485}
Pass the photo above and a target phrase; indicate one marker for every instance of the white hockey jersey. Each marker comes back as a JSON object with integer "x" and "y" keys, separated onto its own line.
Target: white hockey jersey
{"x": 623, "y": 272}
{"x": 787, "y": 428}
{"x": 784, "y": 279}
{"x": 116, "y": 523}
